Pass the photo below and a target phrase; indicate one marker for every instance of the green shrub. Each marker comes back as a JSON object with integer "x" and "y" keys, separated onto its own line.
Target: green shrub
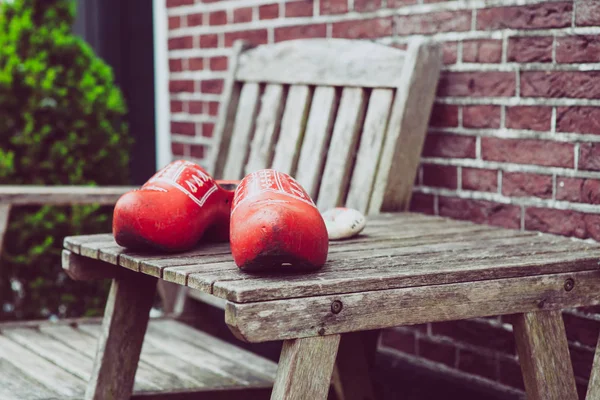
{"x": 61, "y": 122}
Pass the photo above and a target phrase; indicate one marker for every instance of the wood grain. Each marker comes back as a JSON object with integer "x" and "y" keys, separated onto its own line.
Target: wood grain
{"x": 407, "y": 127}
{"x": 266, "y": 128}
{"x": 293, "y": 125}
{"x": 312, "y": 316}
{"x": 316, "y": 139}
{"x": 330, "y": 62}
{"x": 305, "y": 368}
{"x": 17, "y": 385}
{"x": 80, "y": 268}
{"x": 340, "y": 157}
{"x": 125, "y": 321}
{"x": 544, "y": 356}
{"x": 31, "y": 195}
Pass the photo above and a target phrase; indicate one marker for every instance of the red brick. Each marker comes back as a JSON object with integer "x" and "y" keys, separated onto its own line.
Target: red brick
{"x": 363, "y": 29}
{"x": 422, "y": 203}
{"x": 587, "y": 13}
{"x": 197, "y": 151}
{"x": 440, "y": 176}
{"x": 176, "y": 106}
{"x": 477, "y": 333}
{"x": 528, "y": 151}
{"x": 194, "y": 19}
{"x": 592, "y": 225}
{"x": 300, "y": 32}
{"x": 303, "y": 8}
{"x": 476, "y": 363}
{"x": 400, "y": 3}
{"x": 183, "y": 128}
{"x": 536, "y": 16}
{"x": 444, "y": 21}
{"x": 510, "y": 373}
{"x": 174, "y": 22}
{"x": 181, "y": 86}
{"x": 217, "y": 18}
{"x": 483, "y": 180}
{"x": 530, "y": 49}
{"x": 589, "y": 156}
{"x": 437, "y": 350}
{"x": 211, "y": 86}
{"x": 195, "y": 107}
{"x": 578, "y": 49}
{"x": 178, "y": 149}
{"x": 184, "y": 42}
{"x": 476, "y": 84}
{"x": 207, "y": 129}
{"x": 195, "y": 64}
{"x": 177, "y": 3}
{"x": 444, "y": 115}
{"x": 453, "y": 146}
{"x": 561, "y": 222}
{"x": 242, "y": 15}
{"x": 366, "y": 5}
{"x": 579, "y": 190}
{"x": 401, "y": 340}
{"x": 529, "y": 117}
{"x": 482, "y": 212}
{"x": 218, "y": 63}
{"x": 583, "y": 85}
{"x": 584, "y": 330}
{"x": 209, "y": 41}
{"x": 578, "y": 119}
{"x": 213, "y": 108}
{"x": 268, "y": 11}
{"x": 482, "y": 51}
{"x": 582, "y": 360}
{"x": 258, "y": 36}
{"x": 449, "y": 50}
{"x": 333, "y": 7}
{"x": 517, "y": 184}
{"x": 481, "y": 117}
{"x": 175, "y": 65}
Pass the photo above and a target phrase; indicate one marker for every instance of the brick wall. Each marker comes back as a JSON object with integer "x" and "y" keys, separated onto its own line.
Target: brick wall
{"x": 513, "y": 139}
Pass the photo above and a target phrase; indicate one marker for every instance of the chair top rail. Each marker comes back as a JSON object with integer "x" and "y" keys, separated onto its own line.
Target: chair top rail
{"x": 61, "y": 195}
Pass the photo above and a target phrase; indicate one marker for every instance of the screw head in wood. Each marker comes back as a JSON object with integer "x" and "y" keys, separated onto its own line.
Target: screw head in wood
{"x": 569, "y": 284}
{"x": 336, "y": 306}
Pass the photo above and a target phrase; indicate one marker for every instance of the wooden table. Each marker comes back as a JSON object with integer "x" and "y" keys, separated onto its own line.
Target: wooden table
{"x": 404, "y": 269}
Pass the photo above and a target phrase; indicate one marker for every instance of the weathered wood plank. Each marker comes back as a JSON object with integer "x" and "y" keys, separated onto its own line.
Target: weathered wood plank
{"x": 267, "y": 128}
{"x": 18, "y": 385}
{"x": 316, "y": 138}
{"x": 61, "y": 195}
{"x": 340, "y": 157}
{"x": 227, "y": 112}
{"x": 544, "y": 356}
{"x": 73, "y": 243}
{"x": 311, "y": 316}
{"x": 407, "y": 127}
{"x": 48, "y": 374}
{"x": 80, "y": 268}
{"x": 242, "y": 131}
{"x": 356, "y": 275}
{"x": 125, "y": 321}
{"x": 305, "y": 368}
{"x": 371, "y": 142}
{"x": 4, "y": 216}
{"x": 331, "y": 62}
{"x": 292, "y": 129}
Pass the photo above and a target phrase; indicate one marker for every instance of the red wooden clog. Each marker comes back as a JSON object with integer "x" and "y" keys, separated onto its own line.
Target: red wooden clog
{"x": 173, "y": 210}
{"x": 275, "y": 225}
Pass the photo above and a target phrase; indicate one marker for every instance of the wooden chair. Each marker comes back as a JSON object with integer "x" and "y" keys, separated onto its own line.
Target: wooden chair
{"x": 346, "y": 118}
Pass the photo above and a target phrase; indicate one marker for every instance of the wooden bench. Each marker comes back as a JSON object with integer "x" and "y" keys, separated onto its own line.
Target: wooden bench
{"x": 351, "y": 132}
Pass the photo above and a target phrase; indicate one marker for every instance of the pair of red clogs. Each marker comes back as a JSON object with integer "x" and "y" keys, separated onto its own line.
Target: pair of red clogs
{"x": 269, "y": 219}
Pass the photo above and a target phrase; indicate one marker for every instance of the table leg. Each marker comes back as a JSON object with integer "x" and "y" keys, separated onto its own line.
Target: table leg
{"x": 544, "y": 356}
{"x": 305, "y": 368}
{"x": 352, "y": 380}
{"x": 125, "y": 321}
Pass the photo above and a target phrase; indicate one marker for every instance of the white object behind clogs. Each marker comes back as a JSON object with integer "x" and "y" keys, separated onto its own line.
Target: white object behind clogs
{"x": 343, "y": 223}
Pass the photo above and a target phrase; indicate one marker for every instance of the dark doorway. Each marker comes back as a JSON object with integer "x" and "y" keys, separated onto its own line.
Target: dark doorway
{"x": 121, "y": 32}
